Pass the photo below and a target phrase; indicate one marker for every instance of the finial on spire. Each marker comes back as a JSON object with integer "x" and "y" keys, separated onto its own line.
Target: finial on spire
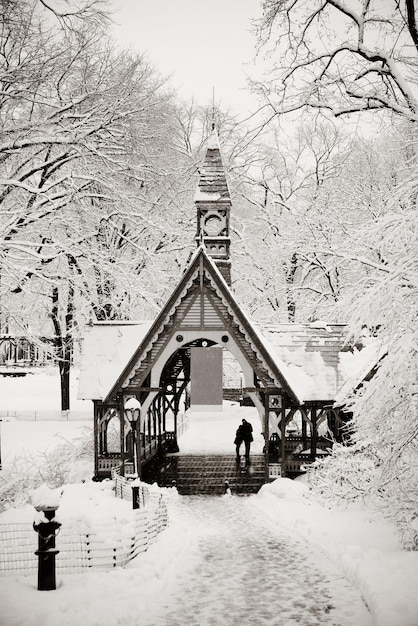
{"x": 213, "y": 108}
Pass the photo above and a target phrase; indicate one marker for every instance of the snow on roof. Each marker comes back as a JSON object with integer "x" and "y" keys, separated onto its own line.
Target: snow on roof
{"x": 355, "y": 366}
{"x": 207, "y": 196}
{"x": 107, "y": 350}
{"x": 316, "y": 361}
{"x": 212, "y": 179}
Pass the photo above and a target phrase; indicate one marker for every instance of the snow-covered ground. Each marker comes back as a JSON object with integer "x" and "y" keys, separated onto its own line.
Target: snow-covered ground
{"x": 355, "y": 540}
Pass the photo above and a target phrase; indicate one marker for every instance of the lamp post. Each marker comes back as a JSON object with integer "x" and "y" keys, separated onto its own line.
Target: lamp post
{"x": 132, "y": 410}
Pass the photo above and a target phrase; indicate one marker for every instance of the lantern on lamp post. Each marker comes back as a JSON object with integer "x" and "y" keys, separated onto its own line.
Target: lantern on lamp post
{"x": 132, "y": 410}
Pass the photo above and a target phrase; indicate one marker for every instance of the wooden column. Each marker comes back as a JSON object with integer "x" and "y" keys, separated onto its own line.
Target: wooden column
{"x": 314, "y": 438}
{"x": 283, "y": 438}
{"x": 121, "y": 411}
{"x": 159, "y": 427}
{"x": 303, "y": 429}
{"x": 138, "y": 445}
{"x": 149, "y": 428}
{"x": 266, "y": 436}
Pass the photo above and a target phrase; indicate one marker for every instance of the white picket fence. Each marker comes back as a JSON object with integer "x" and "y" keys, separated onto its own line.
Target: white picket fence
{"x": 105, "y": 547}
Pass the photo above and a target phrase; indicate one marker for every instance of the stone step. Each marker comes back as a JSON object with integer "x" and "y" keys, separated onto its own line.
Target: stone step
{"x": 201, "y": 474}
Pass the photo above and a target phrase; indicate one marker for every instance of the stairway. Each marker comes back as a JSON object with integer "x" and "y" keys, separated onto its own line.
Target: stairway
{"x": 206, "y": 474}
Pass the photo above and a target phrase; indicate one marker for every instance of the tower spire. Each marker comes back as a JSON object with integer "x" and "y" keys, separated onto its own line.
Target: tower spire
{"x": 213, "y": 205}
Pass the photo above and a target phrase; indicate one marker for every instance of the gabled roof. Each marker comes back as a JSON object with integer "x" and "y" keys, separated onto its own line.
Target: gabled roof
{"x": 311, "y": 362}
{"x": 182, "y": 302}
{"x": 186, "y": 299}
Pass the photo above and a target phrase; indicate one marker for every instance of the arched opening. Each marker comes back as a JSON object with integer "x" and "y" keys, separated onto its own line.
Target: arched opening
{"x": 216, "y": 424}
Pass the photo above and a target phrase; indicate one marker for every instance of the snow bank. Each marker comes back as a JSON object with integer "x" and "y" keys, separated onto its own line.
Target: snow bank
{"x": 359, "y": 540}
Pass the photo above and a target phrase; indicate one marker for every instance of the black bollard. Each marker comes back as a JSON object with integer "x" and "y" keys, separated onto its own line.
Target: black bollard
{"x": 46, "y": 551}
{"x": 135, "y": 497}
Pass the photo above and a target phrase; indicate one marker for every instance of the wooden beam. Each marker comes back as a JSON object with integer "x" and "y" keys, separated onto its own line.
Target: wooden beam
{"x": 135, "y": 389}
{"x": 272, "y": 390}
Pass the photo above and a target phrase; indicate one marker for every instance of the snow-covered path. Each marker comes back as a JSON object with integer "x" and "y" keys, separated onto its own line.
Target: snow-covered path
{"x": 250, "y": 572}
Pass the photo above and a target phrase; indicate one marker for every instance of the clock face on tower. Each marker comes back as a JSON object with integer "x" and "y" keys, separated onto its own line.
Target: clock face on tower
{"x": 213, "y": 224}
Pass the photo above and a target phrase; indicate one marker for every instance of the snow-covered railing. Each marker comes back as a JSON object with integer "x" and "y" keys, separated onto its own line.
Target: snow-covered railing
{"x": 78, "y": 552}
{"x": 128, "y": 489}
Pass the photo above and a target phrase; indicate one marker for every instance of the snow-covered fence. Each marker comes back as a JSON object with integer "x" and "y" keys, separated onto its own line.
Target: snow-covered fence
{"x": 124, "y": 489}
{"x": 105, "y": 548}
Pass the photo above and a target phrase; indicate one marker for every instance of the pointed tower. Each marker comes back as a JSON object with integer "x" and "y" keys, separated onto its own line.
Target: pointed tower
{"x": 213, "y": 204}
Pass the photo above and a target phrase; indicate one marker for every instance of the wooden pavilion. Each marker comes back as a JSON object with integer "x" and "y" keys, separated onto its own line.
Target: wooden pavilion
{"x": 292, "y": 373}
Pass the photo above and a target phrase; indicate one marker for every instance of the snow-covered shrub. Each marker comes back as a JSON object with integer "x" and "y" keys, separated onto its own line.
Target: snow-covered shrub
{"x": 68, "y": 461}
{"x": 359, "y": 474}
{"x": 382, "y": 466}
{"x": 347, "y": 475}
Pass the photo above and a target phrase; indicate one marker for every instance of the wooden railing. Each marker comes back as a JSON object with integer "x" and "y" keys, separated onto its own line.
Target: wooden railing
{"x": 297, "y": 451}
{"x": 296, "y": 463}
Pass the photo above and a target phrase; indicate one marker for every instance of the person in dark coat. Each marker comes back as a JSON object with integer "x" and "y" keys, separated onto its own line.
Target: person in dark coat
{"x": 238, "y": 441}
{"x": 244, "y": 434}
{"x": 247, "y": 437}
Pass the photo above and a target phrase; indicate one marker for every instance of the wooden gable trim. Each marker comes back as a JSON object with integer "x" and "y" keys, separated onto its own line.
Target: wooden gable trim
{"x": 200, "y": 266}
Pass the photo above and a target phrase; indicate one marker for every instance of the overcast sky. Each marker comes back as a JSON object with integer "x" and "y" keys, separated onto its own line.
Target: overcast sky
{"x": 201, "y": 43}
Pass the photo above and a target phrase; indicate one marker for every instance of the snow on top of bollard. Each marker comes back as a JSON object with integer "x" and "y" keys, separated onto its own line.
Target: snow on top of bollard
{"x": 45, "y": 499}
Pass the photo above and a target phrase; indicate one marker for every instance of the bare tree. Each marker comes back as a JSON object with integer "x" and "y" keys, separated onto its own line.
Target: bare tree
{"x": 352, "y": 61}
{"x": 339, "y": 58}
{"x": 88, "y": 171}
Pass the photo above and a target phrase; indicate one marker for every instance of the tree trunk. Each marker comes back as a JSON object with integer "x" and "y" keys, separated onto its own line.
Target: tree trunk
{"x": 65, "y": 369}
{"x": 63, "y": 343}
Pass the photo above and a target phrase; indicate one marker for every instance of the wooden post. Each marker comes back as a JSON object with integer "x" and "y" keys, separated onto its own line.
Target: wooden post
{"x": 283, "y": 439}
{"x": 150, "y": 417}
{"x": 266, "y": 436}
{"x": 138, "y": 444}
{"x": 154, "y": 425}
{"x": 303, "y": 430}
{"x": 122, "y": 434}
{"x": 314, "y": 432}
